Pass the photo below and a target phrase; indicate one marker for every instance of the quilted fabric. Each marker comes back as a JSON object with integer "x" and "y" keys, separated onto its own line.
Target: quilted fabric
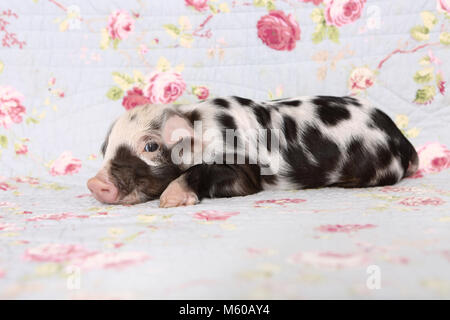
{"x": 68, "y": 69}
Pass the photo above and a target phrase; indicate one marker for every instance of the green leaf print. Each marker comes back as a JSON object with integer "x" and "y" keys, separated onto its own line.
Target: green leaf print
{"x": 115, "y": 93}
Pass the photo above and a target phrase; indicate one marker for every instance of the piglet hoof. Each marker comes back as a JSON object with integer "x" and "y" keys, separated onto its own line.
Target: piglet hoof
{"x": 177, "y": 195}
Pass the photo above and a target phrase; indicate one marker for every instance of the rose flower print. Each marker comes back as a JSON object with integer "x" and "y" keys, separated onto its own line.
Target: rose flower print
{"x": 278, "y": 30}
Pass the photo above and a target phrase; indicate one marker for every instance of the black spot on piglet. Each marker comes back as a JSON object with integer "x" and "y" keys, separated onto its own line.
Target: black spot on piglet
{"x": 226, "y": 121}
{"x": 360, "y": 166}
{"x": 221, "y": 103}
{"x": 129, "y": 173}
{"x": 398, "y": 144}
{"x": 331, "y": 110}
{"x": 292, "y": 103}
{"x": 262, "y": 116}
{"x": 290, "y": 129}
{"x": 311, "y": 173}
{"x": 243, "y": 101}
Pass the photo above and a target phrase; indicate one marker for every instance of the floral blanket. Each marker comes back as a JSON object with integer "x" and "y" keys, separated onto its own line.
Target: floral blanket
{"x": 69, "y": 68}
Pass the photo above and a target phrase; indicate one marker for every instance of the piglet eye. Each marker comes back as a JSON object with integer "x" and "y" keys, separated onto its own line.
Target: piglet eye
{"x": 151, "y": 147}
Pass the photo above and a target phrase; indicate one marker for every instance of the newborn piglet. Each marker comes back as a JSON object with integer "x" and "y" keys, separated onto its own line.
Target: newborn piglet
{"x": 233, "y": 146}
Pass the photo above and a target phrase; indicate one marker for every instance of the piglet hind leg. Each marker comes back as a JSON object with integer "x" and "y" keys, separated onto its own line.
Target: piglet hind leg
{"x": 178, "y": 194}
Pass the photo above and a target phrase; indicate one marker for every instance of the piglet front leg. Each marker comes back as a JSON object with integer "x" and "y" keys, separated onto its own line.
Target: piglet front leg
{"x": 211, "y": 181}
{"x": 178, "y": 194}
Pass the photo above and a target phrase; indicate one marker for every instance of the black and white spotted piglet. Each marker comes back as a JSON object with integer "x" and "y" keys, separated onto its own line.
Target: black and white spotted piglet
{"x": 227, "y": 147}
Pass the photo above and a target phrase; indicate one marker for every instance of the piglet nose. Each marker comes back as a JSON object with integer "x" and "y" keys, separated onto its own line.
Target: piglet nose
{"x": 103, "y": 191}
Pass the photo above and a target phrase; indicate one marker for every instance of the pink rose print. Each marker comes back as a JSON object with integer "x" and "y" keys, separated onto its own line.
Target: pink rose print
{"x": 2, "y": 273}
{"x": 443, "y": 6}
{"x": 11, "y": 108}
{"x": 5, "y": 186}
{"x": 433, "y": 157}
{"x": 9, "y": 227}
{"x": 419, "y": 201}
{"x": 278, "y": 30}
{"x": 29, "y": 180}
{"x": 341, "y": 12}
{"x": 134, "y": 98}
{"x": 281, "y": 202}
{"x": 79, "y": 256}
{"x": 21, "y": 149}
{"x": 55, "y": 252}
{"x": 213, "y": 215}
{"x": 202, "y": 93}
{"x": 316, "y": 2}
{"x": 418, "y": 174}
{"x": 120, "y": 24}
{"x": 84, "y": 195}
{"x": 9, "y": 39}
{"x": 361, "y": 79}
{"x": 164, "y": 87}
{"x": 329, "y": 259}
{"x": 199, "y": 5}
{"x": 433, "y": 58}
{"x": 345, "y": 228}
{"x": 108, "y": 260}
{"x": 441, "y": 84}
{"x": 65, "y": 164}
{"x": 56, "y": 216}
{"x": 388, "y": 189}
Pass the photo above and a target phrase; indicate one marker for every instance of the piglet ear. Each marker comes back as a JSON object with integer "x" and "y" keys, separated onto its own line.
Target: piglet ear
{"x": 176, "y": 128}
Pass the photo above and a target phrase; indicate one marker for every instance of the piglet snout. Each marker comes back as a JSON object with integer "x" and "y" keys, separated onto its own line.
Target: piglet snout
{"x": 103, "y": 190}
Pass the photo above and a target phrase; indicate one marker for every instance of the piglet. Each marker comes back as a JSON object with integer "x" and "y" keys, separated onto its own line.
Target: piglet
{"x": 226, "y": 147}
